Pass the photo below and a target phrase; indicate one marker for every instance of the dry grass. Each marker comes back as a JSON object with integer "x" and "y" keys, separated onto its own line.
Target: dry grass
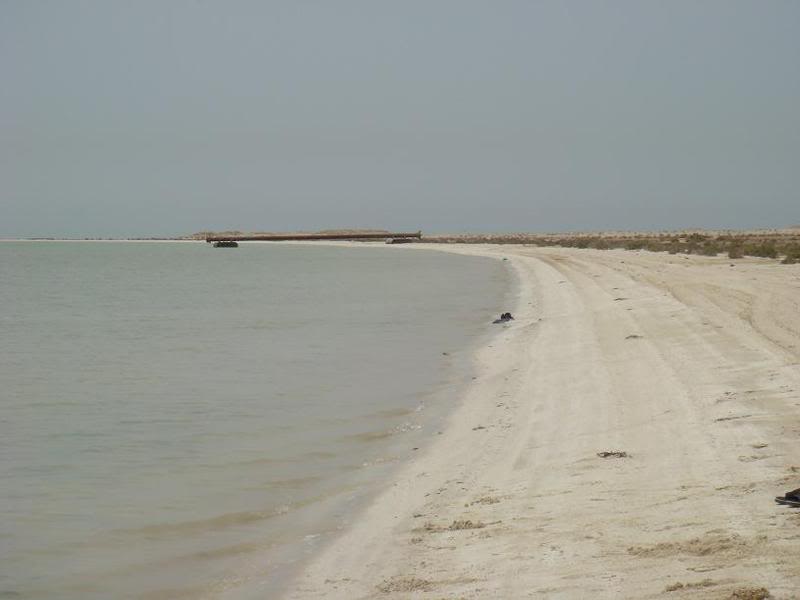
{"x": 457, "y": 525}
{"x": 485, "y": 500}
{"x": 465, "y": 524}
{"x": 687, "y": 586}
{"x": 710, "y": 544}
{"x": 405, "y": 584}
{"x": 750, "y": 593}
{"x": 735, "y": 244}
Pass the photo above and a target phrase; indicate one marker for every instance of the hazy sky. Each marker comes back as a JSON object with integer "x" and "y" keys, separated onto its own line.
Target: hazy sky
{"x": 167, "y": 117}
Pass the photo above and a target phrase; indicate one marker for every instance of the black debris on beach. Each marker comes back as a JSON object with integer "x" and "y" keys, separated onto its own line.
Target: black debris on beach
{"x": 504, "y": 318}
{"x": 613, "y": 454}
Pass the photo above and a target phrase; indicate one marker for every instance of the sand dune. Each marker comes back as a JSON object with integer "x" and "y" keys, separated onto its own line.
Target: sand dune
{"x": 688, "y": 365}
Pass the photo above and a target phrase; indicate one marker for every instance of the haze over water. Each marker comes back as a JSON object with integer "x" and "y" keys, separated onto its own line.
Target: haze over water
{"x": 178, "y": 419}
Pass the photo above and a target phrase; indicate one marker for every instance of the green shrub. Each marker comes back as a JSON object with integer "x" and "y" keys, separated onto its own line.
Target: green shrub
{"x": 762, "y": 249}
{"x": 710, "y": 249}
{"x": 792, "y": 255}
{"x": 735, "y": 251}
{"x": 634, "y": 244}
{"x": 655, "y": 246}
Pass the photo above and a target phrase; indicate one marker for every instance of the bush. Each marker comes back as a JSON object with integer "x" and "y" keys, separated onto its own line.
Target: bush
{"x": 655, "y": 246}
{"x": 710, "y": 249}
{"x": 792, "y": 255}
{"x": 634, "y": 244}
{"x": 763, "y": 249}
{"x": 736, "y": 251}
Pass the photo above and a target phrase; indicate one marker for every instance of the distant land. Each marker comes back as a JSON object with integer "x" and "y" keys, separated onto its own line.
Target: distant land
{"x": 781, "y": 243}
{"x": 768, "y": 243}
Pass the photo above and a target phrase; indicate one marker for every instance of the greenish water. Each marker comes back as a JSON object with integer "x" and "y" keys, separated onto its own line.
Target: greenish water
{"x": 183, "y": 421}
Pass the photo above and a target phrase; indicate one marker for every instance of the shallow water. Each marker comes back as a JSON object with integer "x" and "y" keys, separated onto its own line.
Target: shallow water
{"x": 182, "y": 421}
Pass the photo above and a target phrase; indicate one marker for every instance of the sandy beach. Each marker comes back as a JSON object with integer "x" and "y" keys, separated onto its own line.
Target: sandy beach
{"x": 688, "y": 365}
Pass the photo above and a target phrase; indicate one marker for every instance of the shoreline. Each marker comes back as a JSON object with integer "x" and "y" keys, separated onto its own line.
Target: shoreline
{"x": 438, "y": 405}
{"x": 682, "y": 362}
{"x": 438, "y": 408}
{"x": 406, "y": 473}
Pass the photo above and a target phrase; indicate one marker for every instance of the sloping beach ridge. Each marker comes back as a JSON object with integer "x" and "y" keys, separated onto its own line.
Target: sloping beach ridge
{"x": 624, "y": 437}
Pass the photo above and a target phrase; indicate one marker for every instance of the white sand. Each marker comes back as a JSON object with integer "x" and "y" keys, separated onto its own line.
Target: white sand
{"x": 705, "y": 402}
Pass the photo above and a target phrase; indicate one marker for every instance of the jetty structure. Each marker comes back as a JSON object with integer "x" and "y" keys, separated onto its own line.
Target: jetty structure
{"x": 388, "y": 237}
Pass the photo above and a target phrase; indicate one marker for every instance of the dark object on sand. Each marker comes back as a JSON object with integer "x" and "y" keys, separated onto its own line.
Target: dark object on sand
{"x": 504, "y": 318}
{"x": 226, "y": 244}
{"x": 613, "y": 454}
{"x": 790, "y": 498}
{"x": 401, "y": 240}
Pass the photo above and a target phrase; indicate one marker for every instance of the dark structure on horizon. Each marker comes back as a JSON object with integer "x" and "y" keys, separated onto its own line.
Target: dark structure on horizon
{"x": 316, "y": 236}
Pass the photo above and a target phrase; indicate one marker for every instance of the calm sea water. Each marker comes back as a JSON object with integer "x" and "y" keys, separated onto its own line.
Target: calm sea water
{"x": 182, "y": 421}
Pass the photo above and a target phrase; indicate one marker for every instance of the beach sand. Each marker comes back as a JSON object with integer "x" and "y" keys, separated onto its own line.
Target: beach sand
{"x": 688, "y": 364}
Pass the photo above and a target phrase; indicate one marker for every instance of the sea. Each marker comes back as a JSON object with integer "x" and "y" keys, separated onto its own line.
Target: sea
{"x": 182, "y": 421}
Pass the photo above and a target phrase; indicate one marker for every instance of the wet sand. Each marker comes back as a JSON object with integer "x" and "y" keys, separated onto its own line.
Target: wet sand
{"x": 688, "y": 365}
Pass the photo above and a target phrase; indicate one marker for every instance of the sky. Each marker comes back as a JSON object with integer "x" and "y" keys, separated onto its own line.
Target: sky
{"x": 150, "y": 118}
